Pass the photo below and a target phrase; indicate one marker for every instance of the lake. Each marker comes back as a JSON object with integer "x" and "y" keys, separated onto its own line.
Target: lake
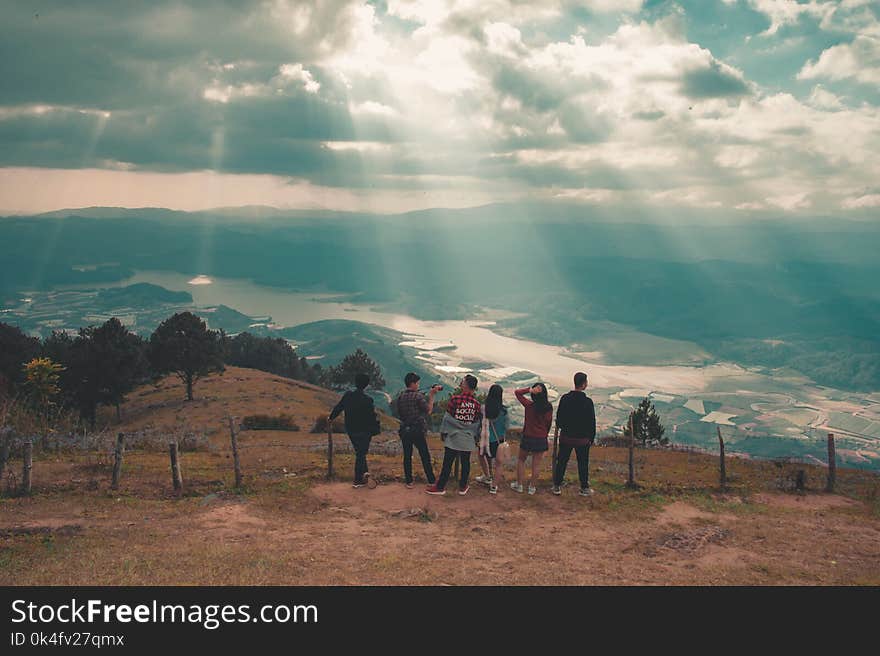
{"x": 472, "y": 339}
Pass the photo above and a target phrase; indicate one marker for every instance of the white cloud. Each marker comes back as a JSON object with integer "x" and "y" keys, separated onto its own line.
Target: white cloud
{"x": 824, "y": 99}
{"x": 868, "y": 200}
{"x": 359, "y": 146}
{"x": 859, "y": 60}
{"x": 298, "y": 73}
{"x": 373, "y": 107}
{"x": 753, "y": 205}
{"x": 523, "y": 98}
{"x": 791, "y": 202}
{"x": 787, "y": 12}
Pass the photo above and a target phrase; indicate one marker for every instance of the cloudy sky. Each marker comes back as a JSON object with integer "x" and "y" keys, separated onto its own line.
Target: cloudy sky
{"x": 402, "y": 104}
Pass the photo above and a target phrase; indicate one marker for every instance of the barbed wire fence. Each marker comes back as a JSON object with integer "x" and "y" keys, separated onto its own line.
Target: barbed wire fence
{"x": 816, "y": 448}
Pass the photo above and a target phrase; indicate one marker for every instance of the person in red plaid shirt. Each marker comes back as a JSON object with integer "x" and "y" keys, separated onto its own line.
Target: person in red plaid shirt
{"x": 463, "y": 420}
{"x": 464, "y": 405}
{"x": 413, "y": 409}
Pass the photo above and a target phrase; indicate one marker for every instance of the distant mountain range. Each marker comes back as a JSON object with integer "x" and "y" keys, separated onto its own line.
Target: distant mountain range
{"x": 730, "y": 287}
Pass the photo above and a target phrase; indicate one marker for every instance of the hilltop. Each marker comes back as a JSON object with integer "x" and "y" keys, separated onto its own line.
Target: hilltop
{"x": 290, "y": 526}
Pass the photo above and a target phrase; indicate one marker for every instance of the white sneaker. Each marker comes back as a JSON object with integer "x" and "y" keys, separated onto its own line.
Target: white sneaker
{"x": 557, "y": 490}
{"x": 516, "y": 487}
{"x": 586, "y": 491}
{"x": 493, "y": 489}
{"x": 532, "y": 489}
{"x": 483, "y": 480}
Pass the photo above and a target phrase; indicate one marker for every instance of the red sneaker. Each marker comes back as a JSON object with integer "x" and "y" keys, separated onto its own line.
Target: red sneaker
{"x": 433, "y": 489}
{"x": 464, "y": 491}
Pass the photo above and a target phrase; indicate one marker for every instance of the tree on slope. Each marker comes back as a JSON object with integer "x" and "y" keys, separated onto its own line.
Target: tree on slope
{"x": 122, "y": 361}
{"x": 649, "y": 431}
{"x": 342, "y": 375}
{"x": 183, "y": 344}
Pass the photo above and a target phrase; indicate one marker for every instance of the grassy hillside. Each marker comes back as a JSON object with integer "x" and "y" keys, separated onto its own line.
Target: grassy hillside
{"x": 289, "y": 525}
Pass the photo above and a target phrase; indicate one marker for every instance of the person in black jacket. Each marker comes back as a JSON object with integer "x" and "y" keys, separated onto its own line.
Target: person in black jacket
{"x": 361, "y": 424}
{"x": 576, "y": 420}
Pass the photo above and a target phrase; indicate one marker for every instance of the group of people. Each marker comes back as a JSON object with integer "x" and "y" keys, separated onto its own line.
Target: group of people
{"x": 469, "y": 426}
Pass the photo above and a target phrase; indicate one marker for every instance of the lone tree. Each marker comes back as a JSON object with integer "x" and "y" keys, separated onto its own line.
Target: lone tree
{"x": 342, "y": 375}
{"x": 646, "y": 423}
{"x": 41, "y": 377}
{"x": 182, "y": 344}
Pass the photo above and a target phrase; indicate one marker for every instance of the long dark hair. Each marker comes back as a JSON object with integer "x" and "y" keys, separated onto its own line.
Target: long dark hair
{"x": 542, "y": 404}
{"x": 493, "y": 402}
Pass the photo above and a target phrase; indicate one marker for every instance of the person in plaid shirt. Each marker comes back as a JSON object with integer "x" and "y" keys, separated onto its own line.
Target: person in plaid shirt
{"x": 413, "y": 410}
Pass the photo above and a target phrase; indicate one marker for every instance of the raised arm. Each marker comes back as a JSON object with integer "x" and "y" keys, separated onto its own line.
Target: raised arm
{"x": 430, "y": 403}
{"x": 521, "y": 396}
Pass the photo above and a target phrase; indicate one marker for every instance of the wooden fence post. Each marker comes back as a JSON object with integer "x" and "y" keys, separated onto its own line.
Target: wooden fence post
{"x": 631, "y": 479}
{"x": 555, "y": 455}
{"x": 27, "y": 466}
{"x": 329, "y": 449}
{"x": 236, "y": 463}
{"x": 721, "y": 463}
{"x": 4, "y": 454}
{"x": 832, "y": 465}
{"x": 117, "y": 462}
{"x": 175, "y": 467}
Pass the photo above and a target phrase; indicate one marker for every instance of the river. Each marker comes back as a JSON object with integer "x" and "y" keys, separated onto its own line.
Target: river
{"x": 472, "y": 339}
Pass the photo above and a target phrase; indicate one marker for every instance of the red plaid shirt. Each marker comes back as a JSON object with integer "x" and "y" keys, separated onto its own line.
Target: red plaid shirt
{"x": 465, "y": 407}
{"x": 412, "y": 408}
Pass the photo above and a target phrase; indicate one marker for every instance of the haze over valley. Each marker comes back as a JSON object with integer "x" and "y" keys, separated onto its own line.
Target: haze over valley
{"x": 764, "y": 328}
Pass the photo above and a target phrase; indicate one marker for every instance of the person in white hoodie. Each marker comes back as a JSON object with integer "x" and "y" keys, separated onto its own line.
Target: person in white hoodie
{"x": 460, "y": 431}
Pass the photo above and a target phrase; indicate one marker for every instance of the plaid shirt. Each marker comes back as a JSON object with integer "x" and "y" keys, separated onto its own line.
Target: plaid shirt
{"x": 412, "y": 408}
{"x": 465, "y": 407}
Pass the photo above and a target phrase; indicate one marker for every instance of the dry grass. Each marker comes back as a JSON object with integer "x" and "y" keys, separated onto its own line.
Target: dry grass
{"x": 289, "y": 526}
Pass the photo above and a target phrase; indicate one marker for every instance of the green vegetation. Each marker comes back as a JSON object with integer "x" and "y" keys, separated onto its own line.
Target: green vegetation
{"x": 646, "y": 423}
{"x": 332, "y": 340}
{"x": 272, "y": 354}
{"x": 182, "y": 344}
{"x": 342, "y": 375}
{"x": 269, "y": 422}
{"x": 102, "y": 364}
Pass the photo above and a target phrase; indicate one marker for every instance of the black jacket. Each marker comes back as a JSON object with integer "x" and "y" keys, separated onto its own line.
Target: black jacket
{"x": 360, "y": 415}
{"x": 576, "y": 417}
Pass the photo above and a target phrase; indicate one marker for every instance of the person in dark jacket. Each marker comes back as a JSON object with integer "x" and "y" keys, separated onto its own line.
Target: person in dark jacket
{"x": 361, "y": 424}
{"x": 576, "y": 420}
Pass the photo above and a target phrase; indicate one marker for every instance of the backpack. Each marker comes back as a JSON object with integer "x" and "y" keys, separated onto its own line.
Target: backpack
{"x": 393, "y": 406}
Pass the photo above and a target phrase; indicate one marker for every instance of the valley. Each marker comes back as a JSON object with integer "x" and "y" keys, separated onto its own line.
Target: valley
{"x": 762, "y": 412}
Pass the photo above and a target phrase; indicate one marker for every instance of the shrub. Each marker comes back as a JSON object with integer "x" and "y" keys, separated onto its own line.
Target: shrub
{"x": 321, "y": 425}
{"x": 268, "y": 422}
